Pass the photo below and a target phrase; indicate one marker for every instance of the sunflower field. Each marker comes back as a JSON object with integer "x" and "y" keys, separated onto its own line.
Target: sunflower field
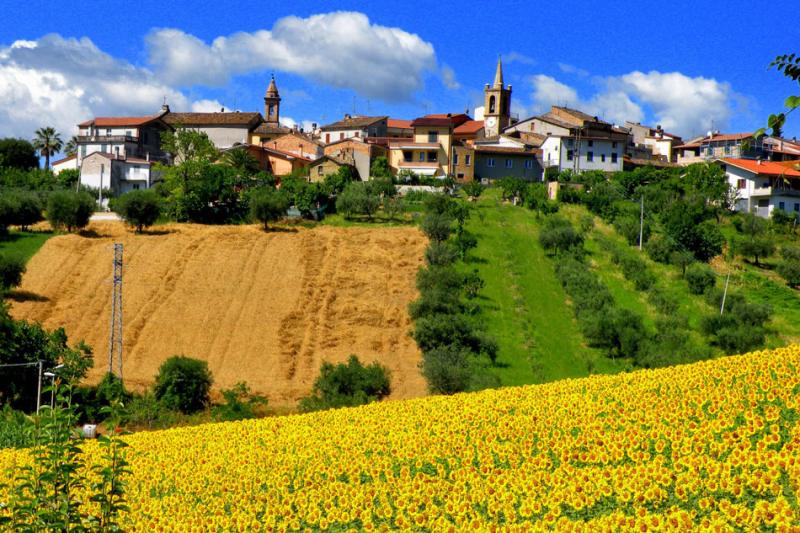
{"x": 712, "y": 445}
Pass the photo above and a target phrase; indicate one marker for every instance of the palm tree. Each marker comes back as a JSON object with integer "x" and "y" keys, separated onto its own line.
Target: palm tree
{"x": 47, "y": 142}
{"x": 71, "y": 148}
{"x": 242, "y": 160}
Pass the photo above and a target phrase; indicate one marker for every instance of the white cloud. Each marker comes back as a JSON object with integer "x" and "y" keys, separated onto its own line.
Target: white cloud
{"x": 340, "y": 49}
{"x": 449, "y": 78}
{"x": 289, "y": 122}
{"x": 60, "y": 82}
{"x": 681, "y": 104}
{"x": 516, "y": 57}
{"x": 571, "y": 69}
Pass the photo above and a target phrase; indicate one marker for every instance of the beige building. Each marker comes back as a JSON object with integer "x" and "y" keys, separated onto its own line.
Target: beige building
{"x": 354, "y": 126}
{"x": 428, "y": 153}
{"x": 327, "y": 165}
{"x": 358, "y": 152}
{"x": 296, "y": 143}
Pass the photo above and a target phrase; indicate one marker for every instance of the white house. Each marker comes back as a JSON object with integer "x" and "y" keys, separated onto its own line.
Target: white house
{"x": 763, "y": 186}
{"x": 223, "y": 129}
{"x": 67, "y": 163}
{"x": 354, "y": 126}
{"x": 137, "y": 137}
{"x": 120, "y": 175}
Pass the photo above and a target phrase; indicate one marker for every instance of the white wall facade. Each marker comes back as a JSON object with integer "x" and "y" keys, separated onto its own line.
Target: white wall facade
{"x": 117, "y": 175}
{"x": 556, "y": 151}
{"x": 225, "y": 136}
{"x": 755, "y": 194}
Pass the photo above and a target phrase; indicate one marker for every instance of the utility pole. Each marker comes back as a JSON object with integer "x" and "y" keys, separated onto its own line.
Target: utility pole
{"x": 641, "y": 224}
{"x": 39, "y": 388}
{"x": 725, "y": 293}
{"x": 115, "y": 337}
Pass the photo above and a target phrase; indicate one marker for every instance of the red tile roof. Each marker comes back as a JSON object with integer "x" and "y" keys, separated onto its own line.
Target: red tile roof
{"x": 441, "y": 119}
{"x": 727, "y": 137}
{"x": 234, "y": 118}
{"x": 65, "y": 159}
{"x": 469, "y": 127}
{"x": 110, "y": 122}
{"x": 398, "y": 123}
{"x": 767, "y": 168}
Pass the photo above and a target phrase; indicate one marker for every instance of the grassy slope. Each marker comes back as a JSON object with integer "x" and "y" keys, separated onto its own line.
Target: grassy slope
{"x": 523, "y": 304}
{"x": 23, "y": 243}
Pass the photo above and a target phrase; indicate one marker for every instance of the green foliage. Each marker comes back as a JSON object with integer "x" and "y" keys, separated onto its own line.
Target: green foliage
{"x": 682, "y": 259}
{"x": 139, "y": 208}
{"x": 357, "y": 199}
{"x": 335, "y": 183}
{"x": 15, "y": 428}
{"x": 437, "y": 226}
{"x": 47, "y": 142}
{"x": 464, "y": 242}
{"x": 633, "y": 267}
{"x": 700, "y": 278}
{"x": 447, "y": 369}
{"x": 183, "y": 384}
{"x": 740, "y": 328}
{"x": 393, "y": 207}
{"x": 347, "y": 384}
{"x": 18, "y": 154}
{"x": 70, "y": 210}
{"x": 19, "y": 208}
{"x": 440, "y": 254}
{"x": 380, "y": 168}
{"x": 789, "y": 266}
{"x": 536, "y": 199}
{"x": 11, "y": 270}
{"x": 558, "y": 235}
{"x": 782, "y": 218}
{"x": 268, "y": 205}
{"x": 473, "y": 284}
{"x": 628, "y": 226}
{"x": 92, "y": 402}
{"x": 512, "y": 187}
{"x": 242, "y": 161}
{"x": 660, "y": 248}
{"x": 239, "y": 404}
{"x": 382, "y": 187}
{"x": 473, "y": 189}
{"x": 687, "y": 224}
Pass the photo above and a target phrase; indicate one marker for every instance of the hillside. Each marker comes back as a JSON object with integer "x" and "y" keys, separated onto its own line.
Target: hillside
{"x": 265, "y": 308}
{"x": 713, "y": 444}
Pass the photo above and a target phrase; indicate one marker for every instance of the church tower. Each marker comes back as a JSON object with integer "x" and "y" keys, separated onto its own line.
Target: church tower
{"x": 272, "y": 104}
{"x": 496, "y": 105}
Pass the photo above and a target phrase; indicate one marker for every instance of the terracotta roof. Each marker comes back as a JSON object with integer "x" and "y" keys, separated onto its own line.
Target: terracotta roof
{"x": 469, "y": 127}
{"x": 651, "y": 162}
{"x": 267, "y": 128}
{"x": 441, "y": 119}
{"x": 727, "y": 137}
{"x": 536, "y": 139}
{"x": 303, "y": 136}
{"x": 412, "y": 144}
{"x": 65, "y": 159}
{"x": 353, "y": 123}
{"x": 121, "y": 159}
{"x": 213, "y": 119}
{"x": 110, "y": 122}
{"x": 766, "y": 168}
{"x": 578, "y": 114}
{"x": 493, "y": 149}
{"x": 398, "y": 123}
{"x": 337, "y": 160}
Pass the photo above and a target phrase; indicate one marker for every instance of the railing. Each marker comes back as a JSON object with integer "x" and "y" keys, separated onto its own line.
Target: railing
{"x": 106, "y": 138}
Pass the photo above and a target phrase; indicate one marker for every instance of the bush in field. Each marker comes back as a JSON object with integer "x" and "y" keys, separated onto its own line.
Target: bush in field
{"x": 439, "y": 277}
{"x": 268, "y": 205}
{"x": 700, "y": 278}
{"x": 183, "y": 384}
{"x": 558, "y": 235}
{"x": 660, "y": 248}
{"x": 628, "y": 227}
{"x": 440, "y": 254}
{"x": 19, "y": 208}
{"x": 347, "y": 384}
{"x": 783, "y": 219}
{"x": 447, "y": 369}
{"x": 239, "y": 403}
{"x": 789, "y": 266}
{"x": 357, "y": 199}
{"x": 473, "y": 189}
{"x": 70, "y": 210}
{"x": 682, "y": 259}
{"x": 140, "y": 209}
{"x": 437, "y": 226}
{"x": 11, "y": 270}
{"x": 435, "y": 301}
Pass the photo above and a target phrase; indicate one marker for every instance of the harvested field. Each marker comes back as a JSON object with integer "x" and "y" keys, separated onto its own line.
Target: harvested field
{"x": 265, "y": 308}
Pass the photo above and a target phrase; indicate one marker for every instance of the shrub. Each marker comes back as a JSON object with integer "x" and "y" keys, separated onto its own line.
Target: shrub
{"x": 700, "y": 278}
{"x": 633, "y": 268}
{"x": 660, "y": 248}
{"x": 473, "y": 189}
{"x": 440, "y": 330}
{"x": 239, "y": 403}
{"x": 357, "y": 198}
{"x": 347, "y": 384}
{"x": 473, "y": 283}
{"x": 11, "y": 270}
{"x": 268, "y": 205}
{"x": 757, "y": 247}
{"x": 15, "y": 429}
{"x": 20, "y": 208}
{"x": 393, "y": 207}
{"x": 440, "y": 254}
{"x": 464, "y": 242}
{"x": 446, "y": 369}
{"x": 665, "y": 303}
{"x": 183, "y": 384}
{"x": 789, "y": 267}
{"x": 628, "y": 226}
{"x": 557, "y": 234}
{"x": 437, "y": 226}
{"x": 139, "y": 208}
{"x": 435, "y": 301}
{"x": 682, "y": 259}
{"x": 439, "y": 277}
{"x": 70, "y": 210}
{"x": 781, "y": 217}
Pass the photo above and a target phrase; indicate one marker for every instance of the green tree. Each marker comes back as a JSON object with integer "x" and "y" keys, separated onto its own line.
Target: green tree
{"x": 558, "y": 235}
{"x": 473, "y": 189}
{"x": 447, "y": 369}
{"x": 700, "y": 278}
{"x": 268, "y": 205}
{"x": 789, "y": 266}
{"x": 347, "y": 384}
{"x": 242, "y": 161}
{"x": 756, "y": 241}
{"x": 185, "y": 183}
{"x": 70, "y": 210}
{"x": 380, "y": 168}
{"x": 336, "y": 182}
{"x": 440, "y": 254}
{"x": 71, "y": 146}
{"x": 139, "y": 208}
{"x": 47, "y": 142}
{"x": 11, "y": 270}
{"x": 437, "y": 226}
{"x": 183, "y": 384}
{"x": 239, "y": 403}
{"x": 18, "y": 154}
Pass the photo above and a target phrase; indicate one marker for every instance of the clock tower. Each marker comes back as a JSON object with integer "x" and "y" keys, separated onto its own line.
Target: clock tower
{"x": 496, "y": 105}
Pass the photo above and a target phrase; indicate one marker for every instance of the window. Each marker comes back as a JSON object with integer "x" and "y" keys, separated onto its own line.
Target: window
{"x": 590, "y": 156}
{"x": 727, "y": 150}
{"x": 602, "y": 158}
{"x": 128, "y": 133}
{"x": 614, "y": 144}
{"x": 491, "y": 104}
{"x": 433, "y": 156}
{"x": 591, "y": 143}
{"x": 136, "y": 186}
{"x": 341, "y": 136}
{"x": 433, "y": 136}
{"x": 796, "y": 207}
{"x": 116, "y": 151}
{"x": 455, "y": 158}
{"x": 741, "y": 183}
{"x": 509, "y": 163}
{"x": 327, "y": 138}
{"x": 319, "y": 170}
{"x": 358, "y": 134}
{"x": 108, "y": 131}
{"x": 528, "y": 163}
{"x": 781, "y": 206}
{"x": 570, "y": 155}
{"x": 460, "y": 176}
{"x": 422, "y": 157}
{"x": 614, "y": 157}
{"x": 83, "y": 150}
{"x": 271, "y": 109}
{"x": 408, "y": 156}
{"x": 103, "y": 148}
{"x": 490, "y": 162}
{"x": 467, "y": 159}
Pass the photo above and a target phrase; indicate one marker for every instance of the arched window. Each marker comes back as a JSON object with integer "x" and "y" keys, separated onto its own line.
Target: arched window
{"x": 491, "y": 104}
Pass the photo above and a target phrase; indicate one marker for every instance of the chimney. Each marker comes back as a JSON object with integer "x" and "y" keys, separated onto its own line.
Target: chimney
{"x": 347, "y": 116}
{"x": 165, "y": 108}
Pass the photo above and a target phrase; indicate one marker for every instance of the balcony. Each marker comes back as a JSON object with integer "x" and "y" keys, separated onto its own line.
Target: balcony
{"x": 775, "y": 191}
{"x": 106, "y": 139}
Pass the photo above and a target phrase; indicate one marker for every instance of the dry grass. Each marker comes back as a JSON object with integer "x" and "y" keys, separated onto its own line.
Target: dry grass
{"x": 265, "y": 308}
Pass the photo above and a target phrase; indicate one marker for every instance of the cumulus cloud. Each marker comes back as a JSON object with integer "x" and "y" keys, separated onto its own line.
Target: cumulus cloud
{"x": 55, "y": 81}
{"x": 680, "y": 103}
{"x": 449, "y": 78}
{"x": 340, "y": 49}
{"x": 289, "y": 122}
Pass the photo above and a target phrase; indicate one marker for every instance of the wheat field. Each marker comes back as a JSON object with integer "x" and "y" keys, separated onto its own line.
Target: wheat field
{"x": 265, "y": 308}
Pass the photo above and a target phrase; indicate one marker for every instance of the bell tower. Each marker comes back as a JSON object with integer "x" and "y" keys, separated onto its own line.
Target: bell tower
{"x": 497, "y": 104}
{"x": 272, "y": 104}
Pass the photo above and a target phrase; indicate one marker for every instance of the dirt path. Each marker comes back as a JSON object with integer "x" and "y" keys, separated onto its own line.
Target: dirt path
{"x": 265, "y": 308}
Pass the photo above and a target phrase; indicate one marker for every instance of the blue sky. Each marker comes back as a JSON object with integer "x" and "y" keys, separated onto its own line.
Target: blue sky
{"x": 683, "y": 64}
